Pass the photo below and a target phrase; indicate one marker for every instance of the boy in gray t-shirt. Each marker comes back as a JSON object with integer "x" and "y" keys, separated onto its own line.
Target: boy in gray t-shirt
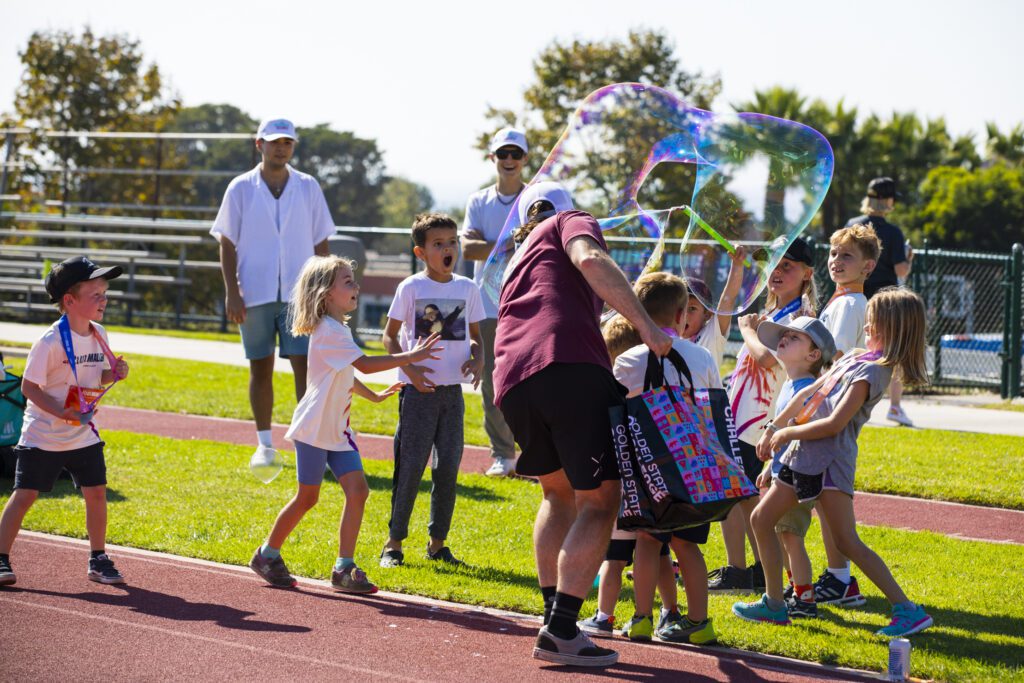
{"x": 836, "y": 456}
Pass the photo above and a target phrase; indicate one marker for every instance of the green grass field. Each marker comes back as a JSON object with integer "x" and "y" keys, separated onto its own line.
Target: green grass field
{"x": 197, "y": 498}
{"x": 1006, "y": 405}
{"x": 923, "y": 459}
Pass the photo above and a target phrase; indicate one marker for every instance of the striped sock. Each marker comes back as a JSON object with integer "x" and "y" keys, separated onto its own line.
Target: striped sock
{"x": 564, "y": 614}
{"x": 548, "y": 594}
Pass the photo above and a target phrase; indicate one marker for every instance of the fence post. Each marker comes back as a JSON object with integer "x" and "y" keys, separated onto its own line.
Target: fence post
{"x": 156, "y": 190}
{"x": 937, "y": 322}
{"x": 1014, "y": 347}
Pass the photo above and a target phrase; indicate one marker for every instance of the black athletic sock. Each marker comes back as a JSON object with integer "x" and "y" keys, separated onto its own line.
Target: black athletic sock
{"x": 548, "y": 593}
{"x": 5, "y": 556}
{"x": 93, "y": 554}
{"x": 564, "y": 615}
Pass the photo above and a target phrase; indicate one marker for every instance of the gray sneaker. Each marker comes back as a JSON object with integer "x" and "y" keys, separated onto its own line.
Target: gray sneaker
{"x": 272, "y": 571}
{"x": 580, "y": 651}
{"x": 352, "y": 579}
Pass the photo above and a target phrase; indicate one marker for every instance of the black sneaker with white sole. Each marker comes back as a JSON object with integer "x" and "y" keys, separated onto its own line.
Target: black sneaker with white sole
{"x": 828, "y": 590}
{"x": 579, "y": 651}
{"x": 731, "y": 579}
{"x": 801, "y": 609}
{"x": 102, "y": 570}
{"x": 7, "y": 577}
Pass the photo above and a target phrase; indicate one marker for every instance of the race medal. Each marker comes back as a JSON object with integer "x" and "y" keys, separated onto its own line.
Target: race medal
{"x": 90, "y": 395}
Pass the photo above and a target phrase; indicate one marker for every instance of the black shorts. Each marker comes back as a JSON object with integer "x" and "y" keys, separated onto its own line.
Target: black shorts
{"x": 693, "y": 534}
{"x": 559, "y": 418}
{"x": 37, "y": 469}
{"x": 622, "y": 550}
{"x": 806, "y": 486}
{"x": 752, "y": 465}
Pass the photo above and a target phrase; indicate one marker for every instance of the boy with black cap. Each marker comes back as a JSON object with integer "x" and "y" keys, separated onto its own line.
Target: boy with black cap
{"x": 69, "y": 362}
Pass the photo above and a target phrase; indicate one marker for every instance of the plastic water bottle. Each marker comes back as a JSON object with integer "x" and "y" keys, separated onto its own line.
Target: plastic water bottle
{"x": 266, "y": 464}
{"x": 899, "y": 659}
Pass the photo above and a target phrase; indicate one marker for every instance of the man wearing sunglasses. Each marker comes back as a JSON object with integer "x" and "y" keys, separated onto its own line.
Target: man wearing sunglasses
{"x": 486, "y": 213}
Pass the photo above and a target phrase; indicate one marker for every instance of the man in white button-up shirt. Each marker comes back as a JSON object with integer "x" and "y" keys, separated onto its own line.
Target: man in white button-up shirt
{"x": 272, "y": 219}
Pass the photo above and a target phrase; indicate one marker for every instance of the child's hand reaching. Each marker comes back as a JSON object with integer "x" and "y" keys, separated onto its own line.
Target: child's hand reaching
{"x": 764, "y": 449}
{"x": 750, "y": 321}
{"x": 379, "y": 396}
{"x": 425, "y": 349}
{"x": 473, "y": 368}
{"x": 780, "y": 438}
{"x": 418, "y": 375}
{"x": 764, "y": 479}
{"x": 73, "y": 416}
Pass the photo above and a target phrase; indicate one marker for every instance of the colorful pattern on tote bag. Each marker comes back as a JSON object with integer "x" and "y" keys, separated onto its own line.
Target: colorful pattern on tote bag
{"x": 689, "y": 433}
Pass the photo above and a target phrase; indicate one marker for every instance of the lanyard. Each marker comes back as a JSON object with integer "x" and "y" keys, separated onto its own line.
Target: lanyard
{"x": 843, "y": 290}
{"x": 64, "y": 328}
{"x": 792, "y": 307}
{"x": 833, "y": 377}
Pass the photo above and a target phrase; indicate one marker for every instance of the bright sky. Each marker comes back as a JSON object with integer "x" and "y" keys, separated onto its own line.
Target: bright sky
{"x": 417, "y": 77}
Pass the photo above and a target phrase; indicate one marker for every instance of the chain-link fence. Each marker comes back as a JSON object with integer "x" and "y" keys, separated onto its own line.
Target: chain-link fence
{"x": 973, "y": 304}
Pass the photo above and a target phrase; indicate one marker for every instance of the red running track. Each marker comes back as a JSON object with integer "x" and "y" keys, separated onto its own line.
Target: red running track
{"x": 182, "y": 619}
{"x": 953, "y": 519}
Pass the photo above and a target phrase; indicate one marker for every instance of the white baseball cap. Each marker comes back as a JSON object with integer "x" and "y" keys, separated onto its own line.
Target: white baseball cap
{"x": 546, "y": 190}
{"x": 274, "y": 129}
{"x": 509, "y": 136}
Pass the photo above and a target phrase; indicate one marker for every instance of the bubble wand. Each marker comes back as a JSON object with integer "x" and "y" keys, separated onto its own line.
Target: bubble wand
{"x": 713, "y": 233}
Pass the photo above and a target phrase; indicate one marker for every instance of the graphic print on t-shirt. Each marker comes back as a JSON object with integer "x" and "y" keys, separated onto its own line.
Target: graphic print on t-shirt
{"x": 446, "y": 317}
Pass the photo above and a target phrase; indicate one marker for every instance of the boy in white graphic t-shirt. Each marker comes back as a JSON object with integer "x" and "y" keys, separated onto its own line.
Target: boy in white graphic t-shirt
{"x": 430, "y": 407}
{"x": 63, "y": 377}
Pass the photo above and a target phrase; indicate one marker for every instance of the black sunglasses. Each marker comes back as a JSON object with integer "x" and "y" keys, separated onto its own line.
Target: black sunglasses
{"x": 503, "y": 154}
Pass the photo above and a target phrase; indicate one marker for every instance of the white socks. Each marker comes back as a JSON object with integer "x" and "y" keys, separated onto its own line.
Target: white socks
{"x": 843, "y": 574}
{"x": 264, "y": 439}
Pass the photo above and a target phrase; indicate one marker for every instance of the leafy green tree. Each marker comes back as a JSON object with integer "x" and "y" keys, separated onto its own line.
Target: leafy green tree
{"x": 350, "y": 170}
{"x": 215, "y": 155}
{"x": 980, "y": 209}
{"x": 400, "y": 201}
{"x": 1008, "y": 147}
{"x": 566, "y": 72}
{"x": 74, "y": 82}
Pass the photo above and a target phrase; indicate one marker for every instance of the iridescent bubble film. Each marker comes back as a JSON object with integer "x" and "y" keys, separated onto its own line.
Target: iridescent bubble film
{"x": 683, "y": 190}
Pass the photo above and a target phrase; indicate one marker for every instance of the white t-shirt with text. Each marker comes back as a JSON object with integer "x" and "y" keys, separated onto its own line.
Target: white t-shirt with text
{"x": 322, "y": 418}
{"x": 424, "y": 307}
{"x": 48, "y": 366}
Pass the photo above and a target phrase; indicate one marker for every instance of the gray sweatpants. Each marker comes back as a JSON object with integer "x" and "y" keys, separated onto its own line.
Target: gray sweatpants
{"x": 427, "y": 422}
{"x": 503, "y": 444}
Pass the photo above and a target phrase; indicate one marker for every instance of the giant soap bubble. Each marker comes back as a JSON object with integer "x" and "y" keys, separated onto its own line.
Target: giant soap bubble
{"x": 751, "y": 182}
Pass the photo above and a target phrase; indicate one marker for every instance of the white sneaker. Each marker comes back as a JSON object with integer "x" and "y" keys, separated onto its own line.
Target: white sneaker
{"x": 502, "y": 467}
{"x": 265, "y": 464}
{"x": 897, "y": 415}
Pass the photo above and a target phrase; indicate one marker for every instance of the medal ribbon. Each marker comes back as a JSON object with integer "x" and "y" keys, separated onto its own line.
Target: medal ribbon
{"x": 64, "y": 328}
{"x": 831, "y": 380}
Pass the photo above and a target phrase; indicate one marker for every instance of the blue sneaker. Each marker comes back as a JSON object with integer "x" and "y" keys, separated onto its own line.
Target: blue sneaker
{"x": 598, "y": 627}
{"x": 760, "y": 611}
{"x": 907, "y": 619}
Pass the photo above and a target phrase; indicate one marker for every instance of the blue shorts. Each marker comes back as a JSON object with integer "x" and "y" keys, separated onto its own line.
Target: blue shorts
{"x": 310, "y": 462}
{"x": 263, "y": 325}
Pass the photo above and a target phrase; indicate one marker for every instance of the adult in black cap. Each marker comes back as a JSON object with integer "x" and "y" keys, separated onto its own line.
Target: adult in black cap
{"x": 893, "y": 264}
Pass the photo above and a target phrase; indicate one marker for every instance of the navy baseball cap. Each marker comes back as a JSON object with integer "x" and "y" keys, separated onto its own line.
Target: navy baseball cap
{"x": 70, "y": 272}
{"x": 882, "y": 188}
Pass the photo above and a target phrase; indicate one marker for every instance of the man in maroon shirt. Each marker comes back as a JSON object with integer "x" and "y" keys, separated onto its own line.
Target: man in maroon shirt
{"x": 553, "y": 382}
